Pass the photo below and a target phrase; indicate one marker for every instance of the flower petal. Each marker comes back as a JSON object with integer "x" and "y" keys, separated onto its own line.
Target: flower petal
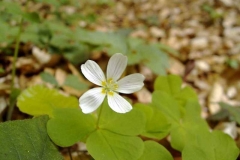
{"x": 130, "y": 83}
{"x": 116, "y": 66}
{"x": 93, "y": 72}
{"x": 118, "y": 103}
{"x": 91, "y": 100}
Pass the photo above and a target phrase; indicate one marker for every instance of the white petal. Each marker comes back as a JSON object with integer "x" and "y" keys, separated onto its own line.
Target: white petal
{"x": 130, "y": 83}
{"x": 91, "y": 100}
{"x": 118, "y": 103}
{"x": 93, "y": 72}
{"x": 116, "y": 66}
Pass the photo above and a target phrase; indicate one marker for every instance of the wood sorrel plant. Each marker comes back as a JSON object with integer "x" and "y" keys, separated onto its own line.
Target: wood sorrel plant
{"x": 109, "y": 135}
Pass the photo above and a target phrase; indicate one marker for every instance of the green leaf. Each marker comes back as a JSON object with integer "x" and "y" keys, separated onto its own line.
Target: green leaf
{"x": 27, "y": 139}
{"x": 154, "y": 151}
{"x": 157, "y": 61}
{"x": 31, "y": 17}
{"x": 167, "y": 105}
{"x": 150, "y": 55}
{"x": 233, "y": 111}
{"x": 190, "y": 127}
{"x": 39, "y": 100}
{"x": 74, "y": 82}
{"x": 31, "y": 34}
{"x": 157, "y": 125}
{"x": 77, "y": 53}
{"x": 170, "y": 84}
{"x": 113, "y": 42}
{"x": 47, "y": 77}
{"x": 186, "y": 94}
{"x": 8, "y": 33}
{"x": 131, "y": 123}
{"x": 70, "y": 125}
{"x": 12, "y": 7}
{"x": 168, "y": 49}
{"x": 211, "y": 146}
{"x": 103, "y": 145}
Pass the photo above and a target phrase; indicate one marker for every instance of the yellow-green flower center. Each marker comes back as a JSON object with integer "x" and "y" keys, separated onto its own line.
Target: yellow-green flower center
{"x": 109, "y": 86}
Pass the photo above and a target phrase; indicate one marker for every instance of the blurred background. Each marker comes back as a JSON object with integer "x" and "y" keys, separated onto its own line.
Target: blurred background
{"x": 46, "y": 41}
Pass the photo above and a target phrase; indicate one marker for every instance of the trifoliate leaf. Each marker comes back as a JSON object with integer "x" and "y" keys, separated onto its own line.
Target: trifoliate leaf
{"x": 131, "y": 123}
{"x": 155, "y": 151}
{"x": 211, "y": 146}
{"x": 103, "y": 145}
{"x": 39, "y": 100}
{"x": 157, "y": 125}
{"x": 70, "y": 125}
{"x": 189, "y": 127}
{"x": 27, "y": 139}
{"x": 167, "y": 105}
{"x": 171, "y": 84}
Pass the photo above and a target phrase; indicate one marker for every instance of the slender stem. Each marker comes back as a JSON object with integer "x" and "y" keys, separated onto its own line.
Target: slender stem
{"x": 16, "y": 52}
{"x": 99, "y": 114}
{"x": 11, "y": 106}
{"x": 70, "y": 154}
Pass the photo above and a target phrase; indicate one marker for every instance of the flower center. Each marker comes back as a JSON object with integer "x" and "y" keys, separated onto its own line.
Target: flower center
{"x": 109, "y": 86}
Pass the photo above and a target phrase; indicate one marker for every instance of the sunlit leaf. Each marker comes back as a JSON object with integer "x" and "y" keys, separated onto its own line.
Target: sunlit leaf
{"x": 39, "y": 100}
{"x": 170, "y": 84}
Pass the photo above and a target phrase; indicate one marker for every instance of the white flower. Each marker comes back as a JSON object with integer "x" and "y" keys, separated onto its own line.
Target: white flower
{"x": 109, "y": 86}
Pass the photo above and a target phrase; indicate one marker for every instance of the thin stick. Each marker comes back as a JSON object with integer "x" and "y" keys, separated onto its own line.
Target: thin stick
{"x": 11, "y": 106}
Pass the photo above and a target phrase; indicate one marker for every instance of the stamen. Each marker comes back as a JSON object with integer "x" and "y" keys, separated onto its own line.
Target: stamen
{"x": 109, "y": 86}
{"x": 110, "y": 93}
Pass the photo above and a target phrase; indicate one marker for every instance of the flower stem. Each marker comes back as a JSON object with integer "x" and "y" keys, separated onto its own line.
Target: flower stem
{"x": 99, "y": 114}
{"x": 11, "y": 106}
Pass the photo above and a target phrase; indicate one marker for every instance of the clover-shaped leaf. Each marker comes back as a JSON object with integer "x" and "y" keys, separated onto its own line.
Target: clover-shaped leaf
{"x": 211, "y": 146}
{"x": 39, "y": 100}
{"x": 104, "y": 144}
{"x": 157, "y": 125}
{"x": 131, "y": 123}
{"x": 70, "y": 125}
{"x": 172, "y": 85}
